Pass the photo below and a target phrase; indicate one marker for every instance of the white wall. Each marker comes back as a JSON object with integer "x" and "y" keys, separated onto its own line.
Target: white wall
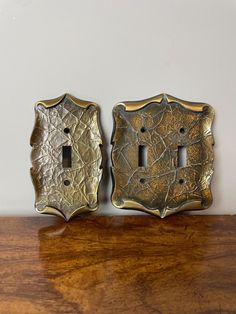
{"x": 107, "y": 51}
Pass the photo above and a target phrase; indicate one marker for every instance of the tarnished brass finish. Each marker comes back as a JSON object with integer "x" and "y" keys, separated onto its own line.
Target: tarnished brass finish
{"x": 66, "y": 156}
{"x": 163, "y": 186}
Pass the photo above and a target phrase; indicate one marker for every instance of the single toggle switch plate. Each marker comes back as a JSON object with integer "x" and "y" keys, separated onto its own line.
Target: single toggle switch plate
{"x": 66, "y": 156}
{"x": 162, "y": 155}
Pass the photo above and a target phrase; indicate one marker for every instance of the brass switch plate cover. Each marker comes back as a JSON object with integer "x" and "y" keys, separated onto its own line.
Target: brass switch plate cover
{"x": 162, "y": 124}
{"x": 70, "y": 126}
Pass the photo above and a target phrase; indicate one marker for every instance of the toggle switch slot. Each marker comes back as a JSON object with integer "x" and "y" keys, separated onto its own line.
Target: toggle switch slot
{"x": 142, "y": 156}
{"x": 182, "y": 156}
{"x": 66, "y": 156}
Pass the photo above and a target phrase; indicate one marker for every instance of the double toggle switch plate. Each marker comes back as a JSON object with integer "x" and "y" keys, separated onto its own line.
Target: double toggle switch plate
{"x": 162, "y": 155}
{"x": 66, "y": 156}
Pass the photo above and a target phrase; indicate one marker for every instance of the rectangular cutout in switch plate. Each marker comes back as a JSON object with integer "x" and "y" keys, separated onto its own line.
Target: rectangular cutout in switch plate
{"x": 182, "y": 155}
{"x": 66, "y": 156}
{"x": 142, "y": 156}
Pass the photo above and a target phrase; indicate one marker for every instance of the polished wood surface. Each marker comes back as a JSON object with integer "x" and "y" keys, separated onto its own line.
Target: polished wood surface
{"x": 122, "y": 264}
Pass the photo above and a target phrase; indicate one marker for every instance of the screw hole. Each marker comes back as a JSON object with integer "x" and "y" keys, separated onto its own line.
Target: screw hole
{"x": 181, "y": 181}
{"x": 142, "y": 180}
{"x": 143, "y": 129}
{"x": 182, "y": 130}
{"x": 67, "y": 130}
{"x": 66, "y": 182}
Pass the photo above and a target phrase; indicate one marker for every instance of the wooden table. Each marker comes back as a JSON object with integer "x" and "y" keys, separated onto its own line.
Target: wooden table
{"x": 123, "y": 264}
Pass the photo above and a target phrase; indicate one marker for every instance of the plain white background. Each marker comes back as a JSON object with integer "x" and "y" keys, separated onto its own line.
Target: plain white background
{"x": 107, "y": 51}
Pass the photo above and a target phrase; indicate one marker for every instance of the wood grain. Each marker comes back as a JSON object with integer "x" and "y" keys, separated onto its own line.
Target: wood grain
{"x": 122, "y": 264}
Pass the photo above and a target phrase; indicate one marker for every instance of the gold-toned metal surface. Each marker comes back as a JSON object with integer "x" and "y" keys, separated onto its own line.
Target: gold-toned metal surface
{"x": 66, "y": 156}
{"x": 164, "y": 181}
